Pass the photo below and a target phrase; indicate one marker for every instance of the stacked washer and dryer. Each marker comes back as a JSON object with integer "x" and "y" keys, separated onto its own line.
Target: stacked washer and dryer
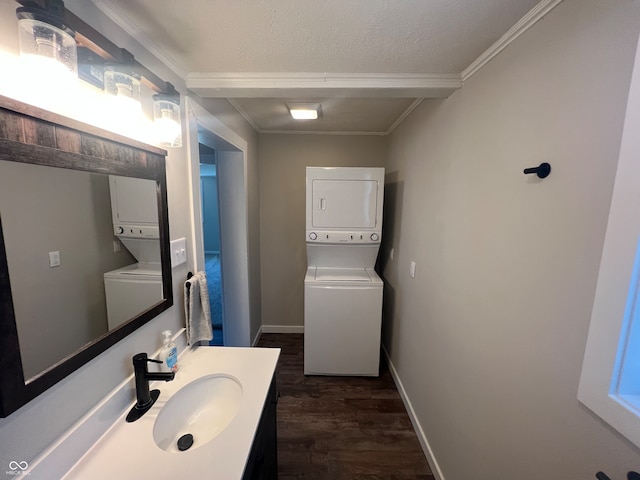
{"x": 342, "y": 291}
{"x": 132, "y": 289}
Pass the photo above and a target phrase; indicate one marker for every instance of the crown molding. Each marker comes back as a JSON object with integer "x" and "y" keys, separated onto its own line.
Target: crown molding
{"x": 320, "y": 132}
{"x": 286, "y": 84}
{"x": 244, "y": 114}
{"x": 404, "y": 115}
{"x": 524, "y": 24}
{"x": 124, "y": 22}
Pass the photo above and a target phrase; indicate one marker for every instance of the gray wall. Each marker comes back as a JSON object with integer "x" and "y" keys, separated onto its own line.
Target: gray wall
{"x": 488, "y": 339}
{"x": 283, "y": 159}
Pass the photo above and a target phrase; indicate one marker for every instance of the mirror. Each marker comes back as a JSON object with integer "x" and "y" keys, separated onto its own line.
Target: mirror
{"x": 84, "y": 256}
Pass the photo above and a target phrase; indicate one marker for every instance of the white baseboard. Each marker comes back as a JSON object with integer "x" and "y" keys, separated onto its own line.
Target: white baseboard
{"x": 282, "y": 328}
{"x": 257, "y": 337}
{"x": 276, "y": 329}
{"x": 422, "y": 438}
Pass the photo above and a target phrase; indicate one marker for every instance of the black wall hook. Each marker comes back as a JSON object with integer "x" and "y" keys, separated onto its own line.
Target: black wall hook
{"x": 543, "y": 170}
{"x": 630, "y": 476}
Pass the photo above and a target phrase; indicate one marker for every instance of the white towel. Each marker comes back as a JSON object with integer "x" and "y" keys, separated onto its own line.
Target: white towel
{"x": 197, "y": 310}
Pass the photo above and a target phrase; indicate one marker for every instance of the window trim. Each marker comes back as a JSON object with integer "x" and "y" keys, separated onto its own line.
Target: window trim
{"x": 617, "y": 293}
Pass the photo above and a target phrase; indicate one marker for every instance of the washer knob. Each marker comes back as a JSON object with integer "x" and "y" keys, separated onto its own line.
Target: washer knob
{"x": 120, "y": 230}
{"x": 374, "y": 237}
{"x": 313, "y": 235}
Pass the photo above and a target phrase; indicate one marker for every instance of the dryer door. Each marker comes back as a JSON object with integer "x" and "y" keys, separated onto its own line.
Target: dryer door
{"x": 344, "y": 204}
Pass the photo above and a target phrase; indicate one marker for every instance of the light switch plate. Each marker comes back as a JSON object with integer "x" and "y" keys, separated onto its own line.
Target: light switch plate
{"x": 412, "y": 269}
{"x": 54, "y": 259}
{"x": 178, "y": 252}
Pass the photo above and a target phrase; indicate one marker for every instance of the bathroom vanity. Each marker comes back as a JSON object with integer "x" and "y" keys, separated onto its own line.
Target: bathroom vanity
{"x": 225, "y": 396}
{"x": 263, "y": 459}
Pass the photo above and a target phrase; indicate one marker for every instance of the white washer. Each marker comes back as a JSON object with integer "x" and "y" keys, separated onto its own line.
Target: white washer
{"x": 343, "y": 318}
{"x": 131, "y": 290}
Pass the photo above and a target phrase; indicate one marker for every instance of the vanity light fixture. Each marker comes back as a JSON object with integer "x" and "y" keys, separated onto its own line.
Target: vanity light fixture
{"x": 304, "y": 111}
{"x": 166, "y": 119}
{"x": 45, "y": 38}
{"x": 50, "y": 36}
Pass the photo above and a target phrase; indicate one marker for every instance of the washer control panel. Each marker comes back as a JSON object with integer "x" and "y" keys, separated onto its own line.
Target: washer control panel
{"x": 324, "y": 236}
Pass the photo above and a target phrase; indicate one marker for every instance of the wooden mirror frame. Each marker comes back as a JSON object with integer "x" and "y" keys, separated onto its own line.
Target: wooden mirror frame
{"x": 35, "y": 136}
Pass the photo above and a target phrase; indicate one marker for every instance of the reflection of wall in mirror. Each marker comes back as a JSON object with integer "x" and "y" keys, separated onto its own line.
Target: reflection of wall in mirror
{"x": 45, "y": 209}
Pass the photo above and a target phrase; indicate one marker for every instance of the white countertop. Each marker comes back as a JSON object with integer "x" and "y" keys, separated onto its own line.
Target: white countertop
{"x": 128, "y": 450}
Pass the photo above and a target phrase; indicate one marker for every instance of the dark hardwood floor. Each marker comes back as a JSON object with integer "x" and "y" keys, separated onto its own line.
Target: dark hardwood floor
{"x": 339, "y": 428}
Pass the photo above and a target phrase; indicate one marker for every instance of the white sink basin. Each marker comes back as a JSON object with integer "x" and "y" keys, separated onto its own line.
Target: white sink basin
{"x": 202, "y": 408}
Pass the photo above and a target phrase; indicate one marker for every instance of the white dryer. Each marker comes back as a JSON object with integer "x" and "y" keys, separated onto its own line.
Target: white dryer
{"x": 342, "y": 292}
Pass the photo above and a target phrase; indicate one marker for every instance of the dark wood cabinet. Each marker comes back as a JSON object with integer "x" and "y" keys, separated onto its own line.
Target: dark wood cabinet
{"x": 263, "y": 459}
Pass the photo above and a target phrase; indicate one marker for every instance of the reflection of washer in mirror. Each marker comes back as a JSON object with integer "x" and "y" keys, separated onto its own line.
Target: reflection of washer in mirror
{"x": 131, "y": 290}
{"x": 135, "y": 288}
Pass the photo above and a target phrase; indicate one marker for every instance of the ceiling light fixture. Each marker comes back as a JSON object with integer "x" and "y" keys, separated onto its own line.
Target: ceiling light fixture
{"x": 304, "y": 111}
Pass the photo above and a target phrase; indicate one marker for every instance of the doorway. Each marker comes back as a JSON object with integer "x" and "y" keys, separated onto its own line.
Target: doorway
{"x": 230, "y": 163}
{"x": 211, "y": 237}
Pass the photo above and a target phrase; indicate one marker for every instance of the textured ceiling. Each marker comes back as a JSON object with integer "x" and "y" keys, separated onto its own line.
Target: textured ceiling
{"x": 355, "y": 36}
{"x": 432, "y": 37}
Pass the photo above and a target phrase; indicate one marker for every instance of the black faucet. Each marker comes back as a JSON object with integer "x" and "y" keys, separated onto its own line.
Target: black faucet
{"x": 145, "y": 398}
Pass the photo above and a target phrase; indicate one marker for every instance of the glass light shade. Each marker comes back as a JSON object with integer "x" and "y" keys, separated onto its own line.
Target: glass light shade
{"x": 122, "y": 112}
{"x": 44, "y": 40}
{"x": 166, "y": 120}
{"x": 122, "y": 84}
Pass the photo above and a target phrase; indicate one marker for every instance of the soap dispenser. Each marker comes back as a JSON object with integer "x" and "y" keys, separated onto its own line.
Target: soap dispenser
{"x": 168, "y": 353}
